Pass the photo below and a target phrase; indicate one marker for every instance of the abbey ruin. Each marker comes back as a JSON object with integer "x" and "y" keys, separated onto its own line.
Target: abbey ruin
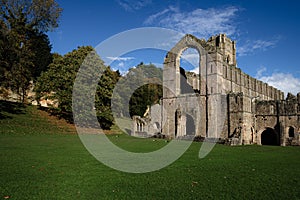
{"x": 220, "y": 102}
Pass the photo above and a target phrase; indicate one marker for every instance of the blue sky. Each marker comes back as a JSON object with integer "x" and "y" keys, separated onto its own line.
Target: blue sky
{"x": 266, "y": 32}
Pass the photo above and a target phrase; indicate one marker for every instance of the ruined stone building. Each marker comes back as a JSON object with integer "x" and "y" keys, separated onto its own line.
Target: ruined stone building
{"x": 221, "y": 101}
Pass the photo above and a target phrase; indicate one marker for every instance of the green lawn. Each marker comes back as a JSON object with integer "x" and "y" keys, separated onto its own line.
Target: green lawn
{"x": 41, "y": 160}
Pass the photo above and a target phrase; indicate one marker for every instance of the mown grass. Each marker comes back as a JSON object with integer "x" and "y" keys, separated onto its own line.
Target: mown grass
{"x": 42, "y": 160}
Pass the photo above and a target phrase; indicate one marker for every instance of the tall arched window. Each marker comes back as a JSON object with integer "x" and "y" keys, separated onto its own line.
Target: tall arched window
{"x": 291, "y": 132}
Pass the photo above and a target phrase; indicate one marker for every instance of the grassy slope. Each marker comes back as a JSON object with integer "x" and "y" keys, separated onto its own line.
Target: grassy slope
{"x": 42, "y": 160}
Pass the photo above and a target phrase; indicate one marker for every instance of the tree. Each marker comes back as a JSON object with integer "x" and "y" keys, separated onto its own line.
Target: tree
{"x": 37, "y": 15}
{"x": 16, "y": 61}
{"x": 103, "y": 97}
{"x": 25, "y": 48}
{"x": 146, "y": 95}
{"x": 41, "y": 48}
{"x": 58, "y": 81}
{"x": 139, "y": 89}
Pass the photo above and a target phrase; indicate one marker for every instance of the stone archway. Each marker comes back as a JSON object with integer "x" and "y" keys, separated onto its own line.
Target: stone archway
{"x": 173, "y": 75}
{"x": 270, "y": 137}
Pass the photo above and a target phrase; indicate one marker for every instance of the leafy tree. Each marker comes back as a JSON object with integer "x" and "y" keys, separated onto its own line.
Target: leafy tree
{"x": 144, "y": 96}
{"x": 139, "y": 89}
{"x": 16, "y": 62}
{"x": 38, "y": 15}
{"x": 25, "y": 48}
{"x": 58, "y": 81}
{"x": 104, "y": 95}
{"x": 41, "y": 48}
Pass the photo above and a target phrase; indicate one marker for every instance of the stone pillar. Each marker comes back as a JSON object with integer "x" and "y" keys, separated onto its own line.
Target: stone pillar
{"x": 134, "y": 125}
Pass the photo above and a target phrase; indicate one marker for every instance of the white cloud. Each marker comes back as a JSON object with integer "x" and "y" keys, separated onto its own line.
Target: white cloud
{"x": 285, "y": 82}
{"x": 204, "y": 23}
{"x": 196, "y": 70}
{"x": 252, "y": 46}
{"x": 132, "y": 5}
{"x": 151, "y": 19}
{"x": 192, "y": 57}
{"x": 260, "y": 72}
{"x": 120, "y": 58}
{"x": 121, "y": 64}
{"x": 199, "y": 22}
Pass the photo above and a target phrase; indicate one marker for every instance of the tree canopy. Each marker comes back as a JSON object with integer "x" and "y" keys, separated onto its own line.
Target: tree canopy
{"x": 37, "y": 15}
{"x": 25, "y": 50}
{"x": 58, "y": 81}
{"x": 141, "y": 86}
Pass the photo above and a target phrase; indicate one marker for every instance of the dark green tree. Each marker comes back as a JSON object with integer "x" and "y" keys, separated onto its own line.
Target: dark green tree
{"x": 38, "y": 15}
{"x": 139, "y": 88}
{"x": 16, "y": 62}
{"x": 146, "y": 95}
{"x": 58, "y": 81}
{"x": 25, "y": 48}
{"x": 41, "y": 48}
{"x": 103, "y": 97}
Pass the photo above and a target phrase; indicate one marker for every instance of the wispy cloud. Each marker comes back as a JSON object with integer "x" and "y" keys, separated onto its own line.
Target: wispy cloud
{"x": 286, "y": 82}
{"x": 252, "y": 46}
{"x": 204, "y": 23}
{"x": 120, "y": 63}
{"x": 199, "y": 22}
{"x": 191, "y": 57}
{"x": 260, "y": 72}
{"x": 132, "y": 5}
{"x": 119, "y": 58}
{"x": 153, "y": 18}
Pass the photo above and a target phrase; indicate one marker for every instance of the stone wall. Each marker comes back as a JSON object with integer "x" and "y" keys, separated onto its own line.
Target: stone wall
{"x": 222, "y": 101}
{"x": 282, "y": 116}
{"x": 218, "y": 76}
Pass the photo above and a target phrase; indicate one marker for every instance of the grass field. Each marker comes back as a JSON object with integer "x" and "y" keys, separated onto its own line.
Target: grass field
{"x": 42, "y": 158}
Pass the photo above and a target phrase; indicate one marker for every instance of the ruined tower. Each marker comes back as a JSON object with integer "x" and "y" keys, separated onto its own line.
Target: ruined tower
{"x": 221, "y": 101}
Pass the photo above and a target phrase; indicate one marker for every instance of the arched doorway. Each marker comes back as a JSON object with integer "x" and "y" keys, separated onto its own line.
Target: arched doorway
{"x": 291, "y": 132}
{"x": 190, "y": 125}
{"x": 269, "y": 137}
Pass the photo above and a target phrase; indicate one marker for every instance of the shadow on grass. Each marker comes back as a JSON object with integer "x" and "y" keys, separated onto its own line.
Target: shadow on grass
{"x": 68, "y": 116}
{"x": 7, "y": 108}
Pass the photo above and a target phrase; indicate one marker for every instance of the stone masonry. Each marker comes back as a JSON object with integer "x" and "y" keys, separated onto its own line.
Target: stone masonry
{"x": 221, "y": 102}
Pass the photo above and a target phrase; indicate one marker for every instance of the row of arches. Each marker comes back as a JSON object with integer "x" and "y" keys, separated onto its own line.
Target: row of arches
{"x": 187, "y": 48}
{"x": 271, "y": 137}
{"x": 268, "y": 137}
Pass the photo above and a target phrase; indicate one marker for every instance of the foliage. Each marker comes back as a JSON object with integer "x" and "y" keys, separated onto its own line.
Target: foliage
{"x": 58, "y": 81}
{"x": 41, "y": 48}
{"x": 16, "y": 61}
{"x": 38, "y": 15}
{"x": 24, "y": 46}
{"x": 141, "y": 87}
{"x": 103, "y": 97}
{"x": 144, "y": 96}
